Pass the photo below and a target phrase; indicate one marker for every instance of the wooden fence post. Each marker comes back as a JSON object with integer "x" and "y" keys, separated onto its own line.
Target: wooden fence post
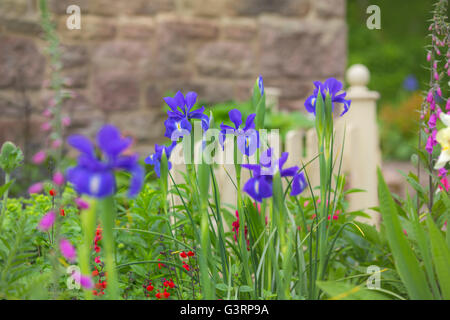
{"x": 363, "y": 151}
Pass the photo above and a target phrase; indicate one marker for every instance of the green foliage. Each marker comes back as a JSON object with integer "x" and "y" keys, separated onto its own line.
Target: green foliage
{"x": 420, "y": 252}
{"x": 11, "y": 157}
{"x": 392, "y": 53}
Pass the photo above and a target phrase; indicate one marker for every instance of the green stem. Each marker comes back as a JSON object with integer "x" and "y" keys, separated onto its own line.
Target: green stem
{"x": 88, "y": 219}
{"x": 107, "y": 216}
{"x": 5, "y": 199}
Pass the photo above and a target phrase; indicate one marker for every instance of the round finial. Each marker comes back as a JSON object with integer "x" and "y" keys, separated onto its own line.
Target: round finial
{"x": 358, "y": 75}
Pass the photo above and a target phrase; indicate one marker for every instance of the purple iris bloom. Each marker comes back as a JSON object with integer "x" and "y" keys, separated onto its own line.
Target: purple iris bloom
{"x": 261, "y": 85}
{"x": 177, "y": 125}
{"x": 260, "y": 185}
{"x": 95, "y": 177}
{"x": 155, "y": 158}
{"x": 331, "y": 86}
{"x": 247, "y": 137}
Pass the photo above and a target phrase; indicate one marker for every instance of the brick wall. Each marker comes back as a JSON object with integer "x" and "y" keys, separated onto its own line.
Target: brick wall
{"x": 129, "y": 53}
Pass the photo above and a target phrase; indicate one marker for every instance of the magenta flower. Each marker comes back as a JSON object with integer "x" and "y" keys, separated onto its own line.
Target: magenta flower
{"x": 81, "y": 203}
{"x": 84, "y": 281}
{"x": 67, "y": 250}
{"x": 56, "y": 143}
{"x": 47, "y": 113}
{"x": 432, "y": 121}
{"x": 47, "y": 221}
{"x": 46, "y": 126}
{"x": 66, "y": 121}
{"x": 431, "y": 142}
{"x": 36, "y": 188}
{"x": 430, "y": 96}
{"x": 39, "y": 157}
{"x": 58, "y": 178}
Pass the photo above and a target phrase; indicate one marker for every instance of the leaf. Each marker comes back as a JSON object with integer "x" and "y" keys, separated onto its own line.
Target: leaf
{"x": 441, "y": 258}
{"x": 370, "y": 233}
{"x": 5, "y": 187}
{"x": 405, "y": 261}
{"x": 245, "y": 289}
{"x": 346, "y": 291}
{"x": 222, "y": 287}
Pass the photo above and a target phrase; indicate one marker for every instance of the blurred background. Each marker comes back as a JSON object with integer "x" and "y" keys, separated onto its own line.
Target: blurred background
{"x": 129, "y": 54}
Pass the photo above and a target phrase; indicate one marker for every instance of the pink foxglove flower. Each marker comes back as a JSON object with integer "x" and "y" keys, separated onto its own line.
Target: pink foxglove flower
{"x": 84, "y": 281}
{"x": 56, "y": 143}
{"x": 47, "y": 221}
{"x": 39, "y": 157}
{"x": 47, "y": 113}
{"x": 67, "y": 250}
{"x": 432, "y": 121}
{"x": 66, "y": 121}
{"x": 445, "y": 183}
{"x": 36, "y": 188}
{"x": 433, "y": 105}
{"x": 58, "y": 178}
{"x": 46, "y": 126}
{"x": 430, "y": 96}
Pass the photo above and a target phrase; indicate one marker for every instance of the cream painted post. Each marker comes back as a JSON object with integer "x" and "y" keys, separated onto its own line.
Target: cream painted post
{"x": 363, "y": 151}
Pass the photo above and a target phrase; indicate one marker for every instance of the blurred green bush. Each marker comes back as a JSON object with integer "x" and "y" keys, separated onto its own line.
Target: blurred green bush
{"x": 392, "y": 54}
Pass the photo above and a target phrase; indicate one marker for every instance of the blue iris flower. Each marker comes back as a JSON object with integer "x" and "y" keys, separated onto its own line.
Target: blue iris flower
{"x": 261, "y": 85}
{"x": 95, "y": 177}
{"x": 260, "y": 185}
{"x": 178, "y": 125}
{"x": 332, "y": 86}
{"x": 155, "y": 158}
{"x": 247, "y": 137}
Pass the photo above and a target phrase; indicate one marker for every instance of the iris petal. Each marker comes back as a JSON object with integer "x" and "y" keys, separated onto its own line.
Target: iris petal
{"x": 110, "y": 141}
{"x": 81, "y": 143}
{"x": 298, "y": 184}
{"x": 250, "y": 122}
{"x": 235, "y": 117}
{"x": 191, "y": 98}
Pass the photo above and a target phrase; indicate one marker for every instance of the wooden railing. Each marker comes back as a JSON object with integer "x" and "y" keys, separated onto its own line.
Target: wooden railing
{"x": 361, "y": 153}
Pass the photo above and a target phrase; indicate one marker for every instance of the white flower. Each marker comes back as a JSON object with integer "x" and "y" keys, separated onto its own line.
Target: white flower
{"x": 443, "y": 137}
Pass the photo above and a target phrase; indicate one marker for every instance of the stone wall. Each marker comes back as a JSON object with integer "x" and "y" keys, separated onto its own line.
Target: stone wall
{"x": 129, "y": 53}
